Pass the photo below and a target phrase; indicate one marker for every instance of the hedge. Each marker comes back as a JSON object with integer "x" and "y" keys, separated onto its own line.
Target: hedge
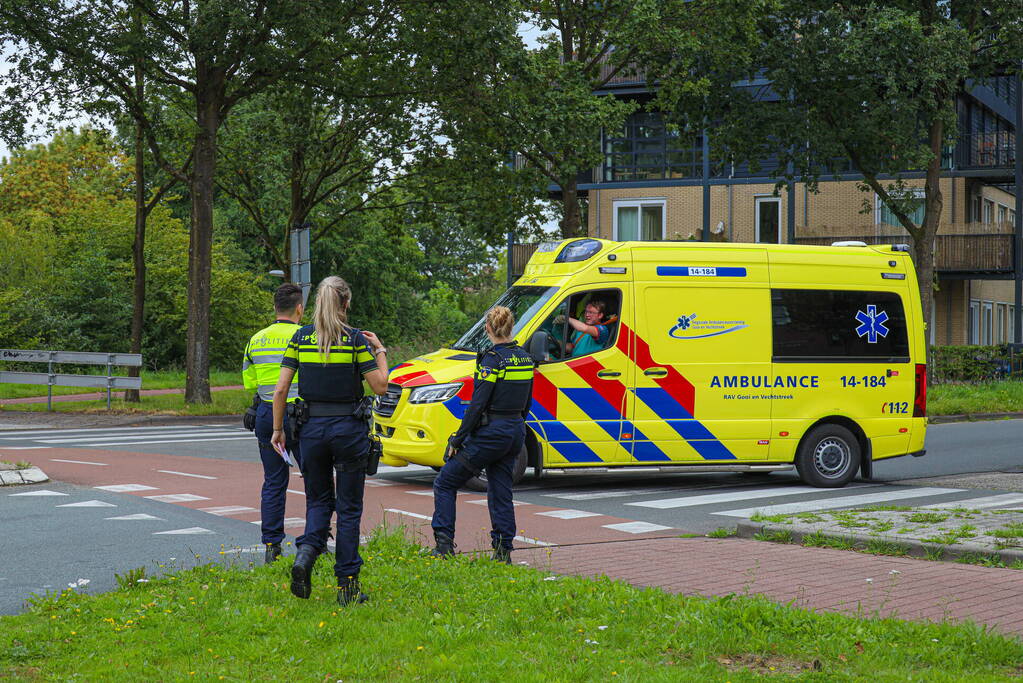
{"x": 973, "y": 363}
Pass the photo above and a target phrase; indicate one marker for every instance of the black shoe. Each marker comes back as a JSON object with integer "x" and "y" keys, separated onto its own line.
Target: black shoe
{"x": 502, "y": 555}
{"x": 273, "y": 551}
{"x": 302, "y": 571}
{"x": 349, "y": 593}
{"x": 445, "y": 545}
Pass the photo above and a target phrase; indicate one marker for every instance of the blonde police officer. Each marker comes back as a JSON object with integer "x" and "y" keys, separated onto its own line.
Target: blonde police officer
{"x": 490, "y": 438}
{"x": 331, "y": 359}
{"x": 261, "y": 367}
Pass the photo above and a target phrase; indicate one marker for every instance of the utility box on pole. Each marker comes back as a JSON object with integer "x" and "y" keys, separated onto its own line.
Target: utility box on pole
{"x": 301, "y": 268}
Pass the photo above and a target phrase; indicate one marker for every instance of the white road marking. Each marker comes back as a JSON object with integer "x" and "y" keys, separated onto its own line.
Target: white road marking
{"x": 177, "y": 498}
{"x": 711, "y": 498}
{"x": 48, "y": 432}
{"x": 429, "y": 492}
{"x": 126, "y": 488}
{"x": 186, "y": 474}
{"x": 378, "y": 482}
{"x": 228, "y": 510}
{"x": 190, "y": 531}
{"x": 597, "y": 495}
{"x": 569, "y": 514}
{"x": 288, "y": 522}
{"x": 88, "y": 504}
{"x": 44, "y": 492}
{"x": 1002, "y": 500}
{"x": 409, "y": 514}
{"x": 533, "y": 541}
{"x": 137, "y": 443}
{"x": 483, "y": 501}
{"x": 81, "y": 462}
{"x": 839, "y": 502}
{"x": 23, "y": 448}
{"x": 133, "y": 518}
{"x": 300, "y": 493}
{"x": 636, "y": 527}
{"x": 197, "y": 436}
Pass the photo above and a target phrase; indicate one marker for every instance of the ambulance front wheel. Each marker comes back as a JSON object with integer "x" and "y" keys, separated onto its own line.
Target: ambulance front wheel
{"x": 479, "y": 483}
{"x": 829, "y": 457}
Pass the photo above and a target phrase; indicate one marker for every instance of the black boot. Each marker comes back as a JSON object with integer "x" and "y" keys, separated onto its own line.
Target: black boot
{"x": 348, "y": 591}
{"x": 273, "y": 551}
{"x": 445, "y": 545}
{"x": 501, "y": 554}
{"x": 302, "y": 571}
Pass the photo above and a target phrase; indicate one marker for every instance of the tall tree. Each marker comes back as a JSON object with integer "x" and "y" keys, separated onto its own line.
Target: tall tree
{"x": 863, "y": 81}
{"x": 211, "y": 54}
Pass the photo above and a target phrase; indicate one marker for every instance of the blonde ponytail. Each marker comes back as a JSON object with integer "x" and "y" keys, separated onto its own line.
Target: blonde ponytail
{"x": 501, "y": 321}
{"x": 333, "y": 296}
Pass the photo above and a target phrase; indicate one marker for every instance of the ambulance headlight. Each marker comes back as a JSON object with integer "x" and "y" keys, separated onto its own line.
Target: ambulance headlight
{"x": 434, "y": 393}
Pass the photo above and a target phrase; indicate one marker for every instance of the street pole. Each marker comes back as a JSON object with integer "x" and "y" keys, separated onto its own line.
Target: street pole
{"x": 301, "y": 268}
{"x": 1017, "y": 333}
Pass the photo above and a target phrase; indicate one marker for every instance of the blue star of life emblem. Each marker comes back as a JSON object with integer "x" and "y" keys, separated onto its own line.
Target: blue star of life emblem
{"x": 872, "y": 324}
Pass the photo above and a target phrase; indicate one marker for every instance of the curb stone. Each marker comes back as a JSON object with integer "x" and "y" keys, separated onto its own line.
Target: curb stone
{"x": 973, "y": 417}
{"x": 31, "y": 475}
{"x": 914, "y": 547}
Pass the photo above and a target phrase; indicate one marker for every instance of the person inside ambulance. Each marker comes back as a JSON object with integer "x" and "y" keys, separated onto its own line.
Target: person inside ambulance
{"x": 593, "y": 332}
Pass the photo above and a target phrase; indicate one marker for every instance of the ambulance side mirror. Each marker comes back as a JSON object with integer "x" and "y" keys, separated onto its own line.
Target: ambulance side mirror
{"x": 538, "y": 345}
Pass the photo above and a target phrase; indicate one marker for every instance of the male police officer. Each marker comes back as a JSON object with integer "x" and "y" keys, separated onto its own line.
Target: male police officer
{"x": 260, "y": 368}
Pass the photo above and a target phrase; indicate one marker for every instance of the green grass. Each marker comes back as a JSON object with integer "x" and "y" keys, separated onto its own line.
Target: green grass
{"x": 1004, "y": 396}
{"x": 468, "y": 620}
{"x": 722, "y": 532}
{"x": 819, "y": 539}
{"x": 151, "y": 379}
{"x": 228, "y": 402}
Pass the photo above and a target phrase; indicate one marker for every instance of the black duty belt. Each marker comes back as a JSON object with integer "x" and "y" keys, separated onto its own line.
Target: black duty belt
{"x": 323, "y": 409}
{"x": 504, "y": 413}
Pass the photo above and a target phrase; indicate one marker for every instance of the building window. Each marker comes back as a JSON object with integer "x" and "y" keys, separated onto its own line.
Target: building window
{"x": 768, "y": 220}
{"x": 977, "y": 216}
{"x": 985, "y": 323}
{"x": 989, "y": 211}
{"x": 1003, "y": 214}
{"x": 1000, "y": 318}
{"x": 641, "y": 219}
{"x": 644, "y": 149}
{"x": 886, "y": 217}
{"x": 974, "y": 333}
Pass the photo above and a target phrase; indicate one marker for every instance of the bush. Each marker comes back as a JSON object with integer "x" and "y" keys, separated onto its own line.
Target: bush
{"x": 971, "y": 363}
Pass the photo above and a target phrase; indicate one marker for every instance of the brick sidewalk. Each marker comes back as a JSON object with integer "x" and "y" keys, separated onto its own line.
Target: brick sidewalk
{"x": 819, "y": 579}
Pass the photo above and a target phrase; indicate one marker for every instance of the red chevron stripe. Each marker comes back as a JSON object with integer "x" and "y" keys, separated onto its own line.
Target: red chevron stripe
{"x": 425, "y": 378}
{"x": 402, "y": 379}
{"x": 545, "y": 393}
{"x": 677, "y": 386}
{"x": 465, "y": 393}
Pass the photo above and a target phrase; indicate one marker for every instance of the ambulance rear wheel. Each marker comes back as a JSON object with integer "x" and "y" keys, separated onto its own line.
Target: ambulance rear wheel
{"x": 829, "y": 457}
{"x": 479, "y": 483}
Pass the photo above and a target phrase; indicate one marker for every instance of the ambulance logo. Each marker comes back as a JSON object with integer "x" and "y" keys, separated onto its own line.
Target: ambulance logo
{"x": 872, "y": 324}
{"x": 692, "y": 327}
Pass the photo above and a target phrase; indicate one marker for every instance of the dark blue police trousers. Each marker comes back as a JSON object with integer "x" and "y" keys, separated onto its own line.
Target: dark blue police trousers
{"x": 275, "y": 475}
{"x": 329, "y": 444}
{"x": 493, "y": 449}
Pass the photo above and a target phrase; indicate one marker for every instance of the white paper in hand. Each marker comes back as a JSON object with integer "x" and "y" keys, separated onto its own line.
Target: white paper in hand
{"x": 284, "y": 454}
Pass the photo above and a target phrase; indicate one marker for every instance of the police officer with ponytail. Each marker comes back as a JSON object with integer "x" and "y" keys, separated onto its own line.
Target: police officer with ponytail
{"x": 331, "y": 359}
{"x": 490, "y": 438}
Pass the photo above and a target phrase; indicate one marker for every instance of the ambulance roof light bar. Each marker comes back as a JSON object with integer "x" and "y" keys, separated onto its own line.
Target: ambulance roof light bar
{"x": 849, "y": 243}
{"x": 578, "y": 250}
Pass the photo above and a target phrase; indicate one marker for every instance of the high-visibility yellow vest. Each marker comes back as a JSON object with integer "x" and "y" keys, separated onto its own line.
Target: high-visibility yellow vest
{"x": 261, "y": 364}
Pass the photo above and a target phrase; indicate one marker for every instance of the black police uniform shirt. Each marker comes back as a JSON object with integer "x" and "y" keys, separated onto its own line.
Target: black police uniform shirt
{"x": 328, "y": 378}
{"x": 502, "y": 383}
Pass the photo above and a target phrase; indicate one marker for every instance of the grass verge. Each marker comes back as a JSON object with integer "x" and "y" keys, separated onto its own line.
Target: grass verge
{"x": 1005, "y": 396}
{"x": 467, "y": 619}
{"x": 227, "y": 402}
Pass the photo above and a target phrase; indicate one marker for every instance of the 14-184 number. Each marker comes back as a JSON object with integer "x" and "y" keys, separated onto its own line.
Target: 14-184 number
{"x": 864, "y": 381}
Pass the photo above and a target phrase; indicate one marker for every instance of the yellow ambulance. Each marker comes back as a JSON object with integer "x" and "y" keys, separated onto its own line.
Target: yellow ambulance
{"x": 711, "y": 357}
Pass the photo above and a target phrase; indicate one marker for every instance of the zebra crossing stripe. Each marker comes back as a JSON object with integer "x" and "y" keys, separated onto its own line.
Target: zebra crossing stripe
{"x": 712, "y": 498}
{"x": 839, "y": 502}
{"x": 597, "y": 495}
{"x": 1003, "y": 500}
{"x": 227, "y": 510}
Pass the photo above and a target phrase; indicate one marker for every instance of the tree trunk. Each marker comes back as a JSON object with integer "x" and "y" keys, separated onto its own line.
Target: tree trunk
{"x": 200, "y": 244}
{"x": 923, "y": 242}
{"x": 570, "y": 221}
{"x": 138, "y": 247}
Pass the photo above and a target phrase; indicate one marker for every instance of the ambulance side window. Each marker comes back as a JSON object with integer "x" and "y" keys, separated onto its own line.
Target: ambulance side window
{"x": 565, "y": 341}
{"x": 838, "y": 325}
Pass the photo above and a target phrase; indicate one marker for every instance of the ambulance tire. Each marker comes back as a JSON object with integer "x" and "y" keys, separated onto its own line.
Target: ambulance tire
{"x": 479, "y": 483}
{"x": 829, "y": 457}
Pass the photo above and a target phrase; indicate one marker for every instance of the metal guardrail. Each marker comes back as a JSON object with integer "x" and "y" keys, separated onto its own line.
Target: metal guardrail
{"x": 52, "y": 379}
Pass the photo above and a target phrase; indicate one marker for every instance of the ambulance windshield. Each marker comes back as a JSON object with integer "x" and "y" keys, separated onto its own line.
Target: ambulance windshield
{"x": 524, "y": 303}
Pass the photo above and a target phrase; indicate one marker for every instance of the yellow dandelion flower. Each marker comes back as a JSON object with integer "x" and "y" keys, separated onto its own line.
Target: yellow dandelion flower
{"x": 420, "y": 647}
{"x": 74, "y": 633}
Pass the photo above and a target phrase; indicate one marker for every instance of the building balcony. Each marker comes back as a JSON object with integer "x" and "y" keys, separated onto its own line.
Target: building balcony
{"x": 986, "y": 151}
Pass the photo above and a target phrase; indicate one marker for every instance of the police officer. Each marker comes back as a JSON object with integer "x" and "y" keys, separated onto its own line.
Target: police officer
{"x": 490, "y": 438}
{"x": 331, "y": 359}
{"x": 261, "y": 366}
